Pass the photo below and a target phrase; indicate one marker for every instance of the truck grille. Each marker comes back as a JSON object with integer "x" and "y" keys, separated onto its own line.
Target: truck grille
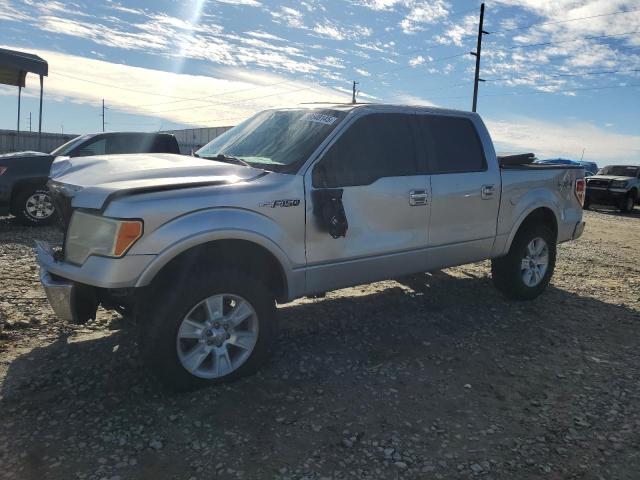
{"x": 598, "y": 183}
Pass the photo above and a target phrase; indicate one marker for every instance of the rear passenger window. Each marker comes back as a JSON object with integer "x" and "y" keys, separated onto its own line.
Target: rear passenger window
{"x": 452, "y": 144}
{"x": 375, "y": 146}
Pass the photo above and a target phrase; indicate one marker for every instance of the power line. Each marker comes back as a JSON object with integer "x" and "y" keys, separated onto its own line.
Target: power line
{"x": 118, "y": 87}
{"x": 564, "y": 21}
{"x": 606, "y": 87}
{"x": 582, "y": 74}
{"x": 572, "y": 40}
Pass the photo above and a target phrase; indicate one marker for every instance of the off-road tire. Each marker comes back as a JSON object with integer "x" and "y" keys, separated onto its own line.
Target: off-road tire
{"x": 587, "y": 203}
{"x": 174, "y": 297}
{"x": 20, "y": 210}
{"x": 626, "y": 205}
{"x": 506, "y": 271}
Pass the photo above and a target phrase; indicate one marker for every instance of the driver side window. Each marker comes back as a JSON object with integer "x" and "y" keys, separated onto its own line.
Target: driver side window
{"x": 375, "y": 146}
{"x": 96, "y": 147}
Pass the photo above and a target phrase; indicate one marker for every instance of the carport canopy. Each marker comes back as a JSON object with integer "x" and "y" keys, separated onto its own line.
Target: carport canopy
{"x": 14, "y": 67}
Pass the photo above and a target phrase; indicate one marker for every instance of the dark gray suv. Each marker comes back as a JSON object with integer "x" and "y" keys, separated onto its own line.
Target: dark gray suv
{"x": 23, "y": 175}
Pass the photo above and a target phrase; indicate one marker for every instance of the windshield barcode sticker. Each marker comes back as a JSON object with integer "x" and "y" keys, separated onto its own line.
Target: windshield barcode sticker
{"x": 319, "y": 118}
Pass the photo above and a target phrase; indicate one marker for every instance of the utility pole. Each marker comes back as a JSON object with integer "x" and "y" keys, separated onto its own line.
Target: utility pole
{"x": 19, "y": 95}
{"x": 29, "y": 122}
{"x": 353, "y": 97}
{"x": 582, "y": 156}
{"x": 477, "y": 55}
{"x": 102, "y": 114}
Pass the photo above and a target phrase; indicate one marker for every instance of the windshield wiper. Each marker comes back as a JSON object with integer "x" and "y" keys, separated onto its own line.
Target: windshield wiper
{"x": 229, "y": 159}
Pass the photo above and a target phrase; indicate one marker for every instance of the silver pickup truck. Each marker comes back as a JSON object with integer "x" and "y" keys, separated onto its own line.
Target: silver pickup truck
{"x": 294, "y": 202}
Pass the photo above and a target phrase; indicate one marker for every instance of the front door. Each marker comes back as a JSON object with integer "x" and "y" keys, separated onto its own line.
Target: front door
{"x": 374, "y": 182}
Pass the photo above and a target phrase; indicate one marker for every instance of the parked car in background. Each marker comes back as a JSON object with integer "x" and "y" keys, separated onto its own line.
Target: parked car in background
{"x": 590, "y": 168}
{"x": 616, "y": 185}
{"x": 23, "y": 175}
{"x": 296, "y": 202}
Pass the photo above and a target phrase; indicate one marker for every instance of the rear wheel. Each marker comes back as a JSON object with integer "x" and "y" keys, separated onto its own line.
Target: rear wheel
{"x": 33, "y": 206}
{"x": 587, "y": 203}
{"x": 213, "y": 327}
{"x": 526, "y": 270}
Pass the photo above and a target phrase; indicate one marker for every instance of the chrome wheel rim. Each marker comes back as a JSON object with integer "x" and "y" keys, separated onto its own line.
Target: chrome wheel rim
{"x": 535, "y": 262}
{"x": 39, "y": 206}
{"x": 217, "y": 336}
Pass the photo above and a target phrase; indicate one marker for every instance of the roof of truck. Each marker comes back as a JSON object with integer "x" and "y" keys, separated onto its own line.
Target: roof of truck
{"x": 385, "y": 106}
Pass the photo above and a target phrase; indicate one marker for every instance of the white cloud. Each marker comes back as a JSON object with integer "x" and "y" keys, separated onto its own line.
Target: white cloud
{"x": 566, "y": 139}
{"x": 422, "y": 13}
{"x": 333, "y": 31}
{"x": 237, "y": 95}
{"x": 572, "y": 48}
{"x": 250, "y": 3}
{"x": 290, "y": 16}
{"x": 415, "y": 61}
{"x": 362, "y": 72}
{"x": 408, "y": 99}
{"x": 417, "y": 13}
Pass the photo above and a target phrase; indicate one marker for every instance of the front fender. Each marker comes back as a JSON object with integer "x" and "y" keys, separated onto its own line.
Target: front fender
{"x": 201, "y": 227}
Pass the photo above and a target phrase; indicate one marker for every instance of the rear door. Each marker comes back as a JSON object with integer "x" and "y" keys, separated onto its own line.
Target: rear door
{"x": 465, "y": 190}
{"x": 374, "y": 166}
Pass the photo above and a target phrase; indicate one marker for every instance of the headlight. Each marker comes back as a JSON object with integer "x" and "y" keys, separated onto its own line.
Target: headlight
{"x": 95, "y": 235}
{"x": 619, "y": 184}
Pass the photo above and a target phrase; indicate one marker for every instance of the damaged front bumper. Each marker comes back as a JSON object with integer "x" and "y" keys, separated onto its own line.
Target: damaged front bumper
{"x": 70, "y": 301}
{"x": 61, "y": 295}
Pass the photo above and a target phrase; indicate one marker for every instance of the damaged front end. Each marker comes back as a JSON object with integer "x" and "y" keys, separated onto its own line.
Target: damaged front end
{"x": 77, "y": 303}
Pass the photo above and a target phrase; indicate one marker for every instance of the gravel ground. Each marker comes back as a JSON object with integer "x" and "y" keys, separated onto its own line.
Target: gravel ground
{"x": 433, "y": 376}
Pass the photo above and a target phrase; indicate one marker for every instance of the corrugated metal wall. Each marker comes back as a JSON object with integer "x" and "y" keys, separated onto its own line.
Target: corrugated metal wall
{"x": 194, "y": 138}
{"x": 188, "y": 139}
{"x": 12, "y": 141}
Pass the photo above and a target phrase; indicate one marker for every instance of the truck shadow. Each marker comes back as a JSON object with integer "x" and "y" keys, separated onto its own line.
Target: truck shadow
{"x": 397, "y": 321}
{"x": 372, "y": 357}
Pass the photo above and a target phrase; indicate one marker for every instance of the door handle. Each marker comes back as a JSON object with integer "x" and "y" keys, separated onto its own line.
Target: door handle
{"x": 488, "y": 191}
{"x": 418, "y": 197}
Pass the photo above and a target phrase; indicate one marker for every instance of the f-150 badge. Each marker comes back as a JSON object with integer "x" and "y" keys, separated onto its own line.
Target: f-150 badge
{"x": 292, "y": 202}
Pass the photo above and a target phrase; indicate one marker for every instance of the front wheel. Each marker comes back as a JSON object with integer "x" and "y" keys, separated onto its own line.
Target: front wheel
{"x": 33, "y": 206}
{"x": 627, "y": 203}
{"x": 526, "y": 270}
{"x": 209, "y": 328}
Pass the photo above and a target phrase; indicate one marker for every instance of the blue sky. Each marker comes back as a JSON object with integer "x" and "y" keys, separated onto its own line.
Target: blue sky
{"x": 570, "y": 83}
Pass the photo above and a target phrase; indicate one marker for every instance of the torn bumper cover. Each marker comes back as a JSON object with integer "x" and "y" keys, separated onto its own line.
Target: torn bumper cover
{"x": 71, "y": 302}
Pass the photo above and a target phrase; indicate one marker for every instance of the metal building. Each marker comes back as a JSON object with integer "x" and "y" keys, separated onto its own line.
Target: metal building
{"x": 189, "y": 139}
{"x": 12, "y": 141}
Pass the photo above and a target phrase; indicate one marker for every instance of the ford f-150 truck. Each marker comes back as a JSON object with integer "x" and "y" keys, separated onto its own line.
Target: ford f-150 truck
{"x": 23, "y": 175}
{"x": 295, "y": 202}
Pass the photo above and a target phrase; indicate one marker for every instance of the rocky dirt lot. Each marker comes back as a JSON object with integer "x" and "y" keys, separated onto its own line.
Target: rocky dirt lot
{"x": 433, "y": 376}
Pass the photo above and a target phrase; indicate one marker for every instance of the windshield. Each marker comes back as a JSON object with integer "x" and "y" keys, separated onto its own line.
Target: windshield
{"x": 620, "y": 171}
{"x": 278, "y": 140}
{"x": 66, "y": 148}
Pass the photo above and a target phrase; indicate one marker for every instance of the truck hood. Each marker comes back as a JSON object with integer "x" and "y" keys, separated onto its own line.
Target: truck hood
{"x": 610, "y": 177}
{"x": 92, "y": 181}
{"x": 21, "y": 157}
{"x": 23, "y": 154}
